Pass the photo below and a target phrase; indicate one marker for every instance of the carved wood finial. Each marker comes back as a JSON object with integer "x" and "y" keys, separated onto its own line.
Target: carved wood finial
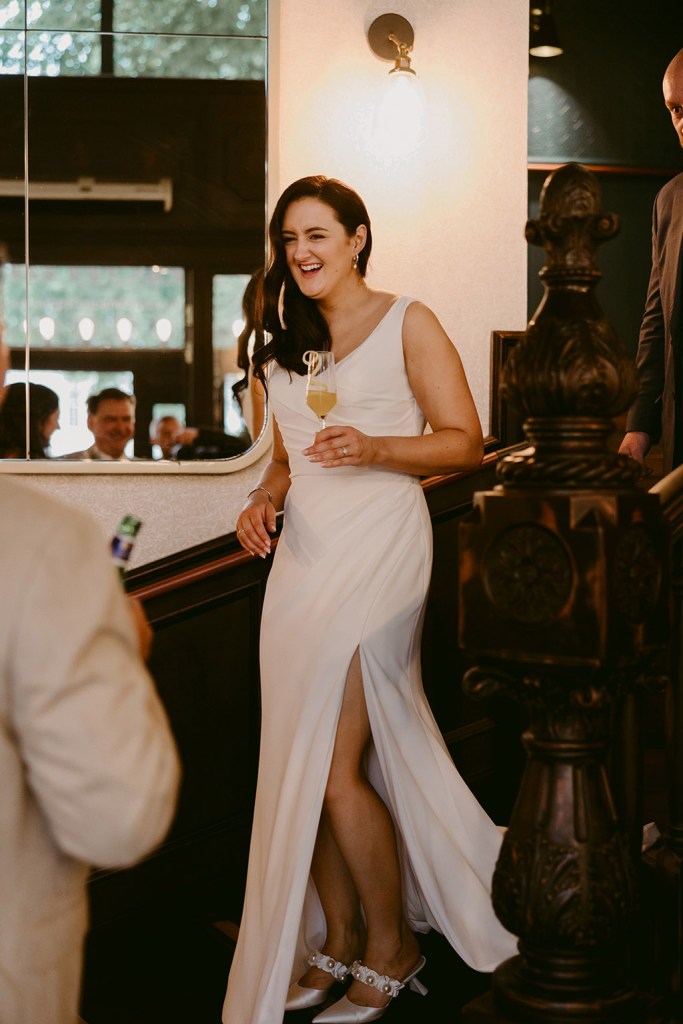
{"x": 569, "y": 375}
{"x": 564, "y": 606}
{"x": 572, "y": 224}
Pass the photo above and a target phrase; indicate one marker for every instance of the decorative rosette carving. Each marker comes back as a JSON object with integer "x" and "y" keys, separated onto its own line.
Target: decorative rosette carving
{"x": 528, "y": 574}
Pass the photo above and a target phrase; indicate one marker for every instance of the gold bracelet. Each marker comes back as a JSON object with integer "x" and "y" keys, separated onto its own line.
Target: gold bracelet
{"x": 265, "y": 489}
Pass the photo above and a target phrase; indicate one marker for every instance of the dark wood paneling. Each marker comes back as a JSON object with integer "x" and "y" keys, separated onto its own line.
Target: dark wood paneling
{"x": 483, "y": 737}
{"x": 205, "y": 664}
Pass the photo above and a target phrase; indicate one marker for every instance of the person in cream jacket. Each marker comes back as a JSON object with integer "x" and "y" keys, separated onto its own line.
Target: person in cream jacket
{"x": 88, "y": 767}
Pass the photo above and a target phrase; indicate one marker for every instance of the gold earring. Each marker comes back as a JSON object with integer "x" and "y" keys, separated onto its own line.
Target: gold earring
{"x": 355, "y": 261}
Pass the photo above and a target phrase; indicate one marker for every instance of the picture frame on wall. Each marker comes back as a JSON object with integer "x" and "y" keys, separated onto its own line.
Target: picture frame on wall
{"x": 505, "y": 424}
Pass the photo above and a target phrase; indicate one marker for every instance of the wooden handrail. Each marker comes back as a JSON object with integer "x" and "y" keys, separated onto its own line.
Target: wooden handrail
{"x": 670, "y": 491}
{"x": 620, "y": 169}
{"x": 432, "y": 483}
{"x": 239, "y": 557}
{"x": 202, "y": 572}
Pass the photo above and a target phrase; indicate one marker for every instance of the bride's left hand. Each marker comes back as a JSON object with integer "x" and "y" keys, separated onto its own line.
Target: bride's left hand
{"x": 342, "y": 446}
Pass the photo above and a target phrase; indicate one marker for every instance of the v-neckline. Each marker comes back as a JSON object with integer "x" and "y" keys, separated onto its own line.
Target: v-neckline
{"x": 338, "y": 362}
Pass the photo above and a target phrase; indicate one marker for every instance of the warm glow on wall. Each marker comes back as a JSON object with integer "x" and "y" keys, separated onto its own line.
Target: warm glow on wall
{"x": 399, "y": 115}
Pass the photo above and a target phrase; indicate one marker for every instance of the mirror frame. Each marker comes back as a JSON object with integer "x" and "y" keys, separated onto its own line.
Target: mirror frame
{"x": 147, "y": 467}
{"x": 236, "y": 463}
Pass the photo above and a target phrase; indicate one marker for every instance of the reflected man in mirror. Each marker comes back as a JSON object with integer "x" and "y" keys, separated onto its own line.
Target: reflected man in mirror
{"x": 111, "y": 418}
{"x": 163, "y": 433}
{"x": 176, "y": 441}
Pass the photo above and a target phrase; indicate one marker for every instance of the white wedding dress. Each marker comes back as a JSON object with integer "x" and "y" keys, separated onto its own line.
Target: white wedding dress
{"x": 351, "y": 570}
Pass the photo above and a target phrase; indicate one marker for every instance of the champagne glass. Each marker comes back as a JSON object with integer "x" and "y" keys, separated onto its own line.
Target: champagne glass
{"x": 321, "y": 386}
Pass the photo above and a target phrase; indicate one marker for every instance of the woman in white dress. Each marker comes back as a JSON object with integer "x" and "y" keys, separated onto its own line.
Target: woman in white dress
{"x": 364, "y": 833}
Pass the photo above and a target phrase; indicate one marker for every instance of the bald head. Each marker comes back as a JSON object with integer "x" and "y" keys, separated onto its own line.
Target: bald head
{"x": 673, "y": 93}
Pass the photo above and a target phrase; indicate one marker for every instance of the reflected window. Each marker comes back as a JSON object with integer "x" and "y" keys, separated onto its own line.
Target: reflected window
{"x": 126, "y": 38}
{"x": 97, "y": 327}
{"x": 95, "y": 307}
{"x": 228, "y": 323}
{"x": 188, "y": 57}
{"x": 212, "y": 17}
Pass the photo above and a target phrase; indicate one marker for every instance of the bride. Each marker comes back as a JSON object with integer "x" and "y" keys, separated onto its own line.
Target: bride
{"x": 364, "y": 834}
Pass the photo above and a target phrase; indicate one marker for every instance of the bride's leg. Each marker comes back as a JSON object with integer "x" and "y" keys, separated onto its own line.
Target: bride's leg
{"x": 364, "y": 833}
{"x": 345, "y": 929}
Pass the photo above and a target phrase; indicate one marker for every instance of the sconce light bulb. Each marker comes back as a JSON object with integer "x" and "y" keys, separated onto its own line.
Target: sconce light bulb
{"x": 164, "y": 329}
{"x": 86, "y": 328}
{"x": 46, "y": 326}
{"x": 124, "y": 329}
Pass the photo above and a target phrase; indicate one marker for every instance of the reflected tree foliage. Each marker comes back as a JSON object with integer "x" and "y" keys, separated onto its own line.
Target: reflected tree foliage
{"x": 166, "y": 38}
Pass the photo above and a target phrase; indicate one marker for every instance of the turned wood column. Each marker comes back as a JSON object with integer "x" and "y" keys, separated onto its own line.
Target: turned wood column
{"x": 563, "y": 607}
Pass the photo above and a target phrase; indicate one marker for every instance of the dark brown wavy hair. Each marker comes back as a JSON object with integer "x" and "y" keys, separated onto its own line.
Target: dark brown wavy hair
{"x": 43, "y": 401}
{"x": 301, "y": 325}
{"x": 252, "y": 308}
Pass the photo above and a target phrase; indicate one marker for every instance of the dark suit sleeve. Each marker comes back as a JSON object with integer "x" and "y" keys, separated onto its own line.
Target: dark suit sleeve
{"x": 646, "y": 412}
{"x": 212, "y": 443}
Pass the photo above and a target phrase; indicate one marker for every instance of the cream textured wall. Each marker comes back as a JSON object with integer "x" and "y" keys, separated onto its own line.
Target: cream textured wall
{"x": 448, "y": 219}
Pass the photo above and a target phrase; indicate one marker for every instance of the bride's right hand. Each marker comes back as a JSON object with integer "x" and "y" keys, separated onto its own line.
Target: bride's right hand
{"x": 255, "y": 522}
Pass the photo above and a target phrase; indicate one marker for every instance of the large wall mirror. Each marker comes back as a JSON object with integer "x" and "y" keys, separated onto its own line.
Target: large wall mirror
{"x": 132, "y": 218}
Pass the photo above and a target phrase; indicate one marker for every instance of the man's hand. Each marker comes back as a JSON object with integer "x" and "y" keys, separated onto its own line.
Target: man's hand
{"x": 142, "y": 627}
{"x": 636, "y": 445}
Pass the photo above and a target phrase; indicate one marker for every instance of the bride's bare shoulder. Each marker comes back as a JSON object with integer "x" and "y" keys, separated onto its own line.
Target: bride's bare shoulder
{"x": 418, "y": 315}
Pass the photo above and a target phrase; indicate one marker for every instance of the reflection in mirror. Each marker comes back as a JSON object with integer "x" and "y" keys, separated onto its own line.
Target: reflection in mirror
{"x": 146, "y": 184}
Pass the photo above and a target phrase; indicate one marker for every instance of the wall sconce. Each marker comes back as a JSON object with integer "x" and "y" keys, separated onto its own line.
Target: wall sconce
{"x": 543, "y": 40}
{"x": 399, "y": 113}
{"x": 391, "y": 37}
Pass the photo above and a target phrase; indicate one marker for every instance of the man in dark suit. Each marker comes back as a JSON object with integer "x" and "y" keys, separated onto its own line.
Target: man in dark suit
{"x": 653, "y": 414}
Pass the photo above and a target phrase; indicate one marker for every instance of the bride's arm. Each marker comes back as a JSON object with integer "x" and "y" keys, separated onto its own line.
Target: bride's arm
{"x": 438, "y": 381}
{"x": 257, "y": 518}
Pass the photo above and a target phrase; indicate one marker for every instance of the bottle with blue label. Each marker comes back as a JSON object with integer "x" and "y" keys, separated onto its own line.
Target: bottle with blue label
{"x": 123, "y": 541}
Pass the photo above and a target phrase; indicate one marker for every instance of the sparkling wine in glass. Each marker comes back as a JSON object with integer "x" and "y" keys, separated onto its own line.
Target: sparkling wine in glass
{"x": 321, "y": 386}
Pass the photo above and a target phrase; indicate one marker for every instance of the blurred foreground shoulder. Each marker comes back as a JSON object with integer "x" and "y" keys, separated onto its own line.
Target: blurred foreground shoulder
{"x": 95, "y": 740}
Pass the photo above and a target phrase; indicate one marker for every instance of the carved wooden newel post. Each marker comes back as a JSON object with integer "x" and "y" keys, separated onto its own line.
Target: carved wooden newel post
{"x": 563, "y": 602}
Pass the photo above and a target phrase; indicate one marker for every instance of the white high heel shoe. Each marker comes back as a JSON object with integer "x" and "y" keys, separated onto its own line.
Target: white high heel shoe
{"x": 346, "y": 1012}
{"x": 300, "y": 998}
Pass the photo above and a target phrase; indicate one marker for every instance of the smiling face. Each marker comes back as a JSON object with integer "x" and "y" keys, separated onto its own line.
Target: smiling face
{"x": 319, "y": 251}
{"x": 673, "y": 93}
{"x": 113, "y": 425}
